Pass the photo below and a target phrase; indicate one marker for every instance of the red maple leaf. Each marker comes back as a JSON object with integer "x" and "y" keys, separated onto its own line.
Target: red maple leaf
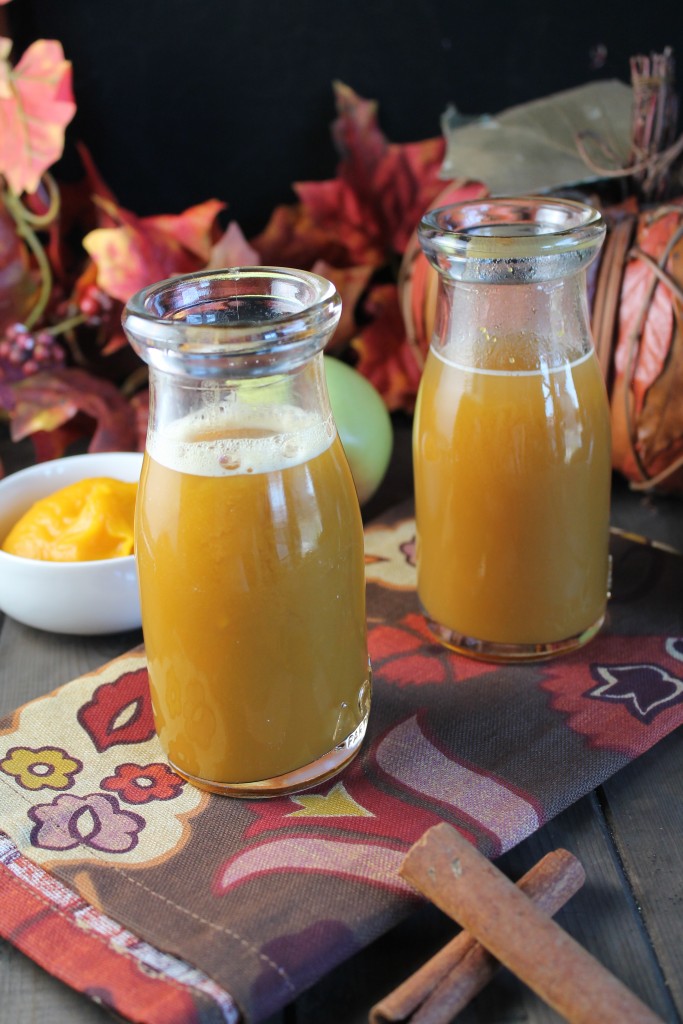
{"x": 336, "y": 208}
{"x": 386, "y": 358}
{"x": 294, "y": 238}
{"x": 365, "y": 214}
{"x": 394, "y": 183}
{"x": 142, "y": 250}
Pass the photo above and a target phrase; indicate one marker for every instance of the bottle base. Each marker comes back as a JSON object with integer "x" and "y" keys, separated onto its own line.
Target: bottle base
{"x": 489, "y": 650}
{"x": 296, "y": 781}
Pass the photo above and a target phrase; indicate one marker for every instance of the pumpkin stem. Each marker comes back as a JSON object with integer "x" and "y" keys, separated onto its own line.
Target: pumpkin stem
{"x": 654, "y": 146}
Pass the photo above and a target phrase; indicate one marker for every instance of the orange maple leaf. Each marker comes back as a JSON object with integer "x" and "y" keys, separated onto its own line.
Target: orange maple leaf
{"x": 293, "y": 238}
{"x": 36, "y": 104}
{"x": 148, "y": 249}
{"x": 336, "y": 207}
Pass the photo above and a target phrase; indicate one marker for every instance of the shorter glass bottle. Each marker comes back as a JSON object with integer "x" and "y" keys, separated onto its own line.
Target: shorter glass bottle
{"x": 512, "y": 432}
{"x": 249, "y": 540}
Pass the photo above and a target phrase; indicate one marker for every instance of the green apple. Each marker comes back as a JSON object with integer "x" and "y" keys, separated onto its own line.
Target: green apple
{"x": 363, "y": 423}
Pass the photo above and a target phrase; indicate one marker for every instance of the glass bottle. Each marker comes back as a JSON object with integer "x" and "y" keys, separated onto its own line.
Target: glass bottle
{"x": 249, "y": 539}
{"x": 511, "y": 444}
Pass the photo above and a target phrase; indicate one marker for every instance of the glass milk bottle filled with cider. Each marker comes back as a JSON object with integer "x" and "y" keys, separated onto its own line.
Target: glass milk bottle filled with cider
{"x": 249, "y": 539}
{"x": 512, "y": 433}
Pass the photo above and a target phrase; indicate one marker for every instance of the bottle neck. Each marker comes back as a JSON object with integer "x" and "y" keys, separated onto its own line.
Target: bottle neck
{"x": 260, "y": 403}
{"x": 512, "y": 327}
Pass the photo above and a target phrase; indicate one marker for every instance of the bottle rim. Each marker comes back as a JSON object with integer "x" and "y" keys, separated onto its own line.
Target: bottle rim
{"x": 192, "y": 323}
{"x": 510, "y": 228}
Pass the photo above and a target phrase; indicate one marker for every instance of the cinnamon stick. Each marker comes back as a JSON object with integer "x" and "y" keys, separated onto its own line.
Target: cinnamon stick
{"x": 460, "y": 881}
{"x": 447, "y": 982}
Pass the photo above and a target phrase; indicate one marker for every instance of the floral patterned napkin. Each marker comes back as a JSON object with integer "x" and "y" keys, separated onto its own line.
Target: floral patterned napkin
{"x": 170, "y": 905}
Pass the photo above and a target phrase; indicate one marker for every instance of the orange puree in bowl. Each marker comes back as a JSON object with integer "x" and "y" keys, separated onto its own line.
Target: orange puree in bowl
{"x": 86, "y": 521}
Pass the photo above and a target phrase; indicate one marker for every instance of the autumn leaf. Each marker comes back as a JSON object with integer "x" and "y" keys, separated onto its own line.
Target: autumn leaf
{"x": 660, "y": 428}
{"x": 85, "y": 203}
{"x": 293, "y": 237}
{"x": 336, "y": 208}
{"x": 351, "y": 283}
{"x": 648, "y": 361}
{"x": 100, "y": 195}
{"x": 408, "y": 182}
{"x": 533, "y": 147}
{"x": 394, "y": 183}
{"x": 652, "y": 237}
{"x": 384, "y": 355}
{"x": 144, "y": 250}
{"x": 233, "y": 250}
{"x": 36, "y": 104}
{"x": 53, "y": 444}
{"x": 358, "y": 138}
{"x": 366, "y": 214}
{"x": 48, "y": 401}
{"x": 194, "y": 229}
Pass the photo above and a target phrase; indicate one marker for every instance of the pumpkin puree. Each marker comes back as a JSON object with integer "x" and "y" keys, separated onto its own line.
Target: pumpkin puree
{"x": 86, "y": 521}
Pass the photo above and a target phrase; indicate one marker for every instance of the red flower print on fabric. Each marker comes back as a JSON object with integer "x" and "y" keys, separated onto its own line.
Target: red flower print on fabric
{"x": 140, "y": 784}
{"x": 95, "y": 821}
{"x": 408, "y": 655}
{"x": 119, "y": 712}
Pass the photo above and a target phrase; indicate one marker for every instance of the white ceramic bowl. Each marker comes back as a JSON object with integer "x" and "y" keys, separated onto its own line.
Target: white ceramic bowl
{"x": 83, "y": 598}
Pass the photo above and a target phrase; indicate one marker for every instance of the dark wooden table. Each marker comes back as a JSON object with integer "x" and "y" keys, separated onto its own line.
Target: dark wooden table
{"x": 628, "y": 835}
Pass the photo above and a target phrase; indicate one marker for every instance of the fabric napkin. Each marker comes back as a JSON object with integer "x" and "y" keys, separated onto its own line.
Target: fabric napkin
{"x": 172, "y": 906}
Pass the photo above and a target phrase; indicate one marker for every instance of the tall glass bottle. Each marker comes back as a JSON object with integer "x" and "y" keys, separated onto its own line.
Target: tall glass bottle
{"x": 512, "y": 433}
{"x": 249, "y": 539}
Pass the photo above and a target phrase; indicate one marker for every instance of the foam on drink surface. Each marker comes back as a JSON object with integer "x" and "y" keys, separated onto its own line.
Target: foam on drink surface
{"x": 511, "y": 365}
{"x": 241, "y": 439}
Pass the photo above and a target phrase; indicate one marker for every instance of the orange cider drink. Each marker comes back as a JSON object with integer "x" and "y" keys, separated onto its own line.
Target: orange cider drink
{"x": 512, "y": 478}
{"x": 250, "y": 554}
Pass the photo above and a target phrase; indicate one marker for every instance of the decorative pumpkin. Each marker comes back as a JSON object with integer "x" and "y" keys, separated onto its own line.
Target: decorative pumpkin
{"x": 417, "y": 279}
{"x": 638, "y": 327}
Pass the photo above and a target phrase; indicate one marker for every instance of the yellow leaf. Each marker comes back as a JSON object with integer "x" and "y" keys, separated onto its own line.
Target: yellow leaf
{"x": 337, "y": 803}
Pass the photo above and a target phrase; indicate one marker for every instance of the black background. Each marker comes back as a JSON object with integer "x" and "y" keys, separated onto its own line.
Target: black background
{"x": 184, "y": 100}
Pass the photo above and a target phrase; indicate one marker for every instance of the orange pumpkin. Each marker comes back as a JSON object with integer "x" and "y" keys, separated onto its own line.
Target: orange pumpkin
{"x": 417, "y": 279}
{"x": 638, "y": 328}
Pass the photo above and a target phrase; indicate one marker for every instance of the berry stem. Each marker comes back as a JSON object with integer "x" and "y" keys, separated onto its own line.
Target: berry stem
{"x": 66, "y": 325}
{"x": 26, "y": 222}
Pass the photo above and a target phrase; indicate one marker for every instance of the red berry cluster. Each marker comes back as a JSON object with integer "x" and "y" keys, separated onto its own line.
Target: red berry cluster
{"x": 94, "y": 304}
{"x": 23, "y": 353}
